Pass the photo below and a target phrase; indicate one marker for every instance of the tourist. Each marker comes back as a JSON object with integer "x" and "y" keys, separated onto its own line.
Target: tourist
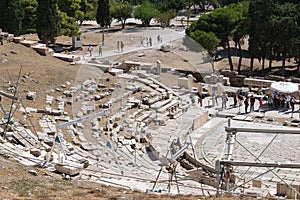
{"x": 142, "y": 41}
{"x": 292, "y": 103}
{"x": 150, "y": 41}
{"x": 270, "y": 101}
{"x": 252, "y": 102}
{"x": 122, "y": 46}
{"x": 235, "y": 100}
{"x": 241, "y": 99}
{"x": 260, "y": 103}
{"x": 224, "y": 100}
{"x": 276, "y": 100}
{"x": 100, "y": 51}
{"x": 158, "y": 38}
{"x": 282, "y": 101}
{"x": 246, "y": 102}
{"x": 118, "y": 46}
{"x": 288, "y": 100}
{"x": 90, "y": 49}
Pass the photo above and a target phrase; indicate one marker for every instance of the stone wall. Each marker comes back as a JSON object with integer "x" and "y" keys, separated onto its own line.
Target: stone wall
{"x": 234, "y": 79}
{"x": 5, "y": 37}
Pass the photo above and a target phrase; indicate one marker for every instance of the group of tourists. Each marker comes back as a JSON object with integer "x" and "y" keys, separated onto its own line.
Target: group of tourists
{"x": 273, "y": 100}
{"x": 148, "y": 40}
{"x": 283, "y": 101}
{"x": 120, "y": 46}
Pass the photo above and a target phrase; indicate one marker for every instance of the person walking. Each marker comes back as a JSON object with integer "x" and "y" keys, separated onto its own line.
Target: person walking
{"x": 224, "y": 100}
{"x": 122, "y": 46}
{"x": 246, "y": 102}
{"x": 292, "y": 103}
{"x": 90, "y": 49}
{"x": 282, "y": 101}
{"x": 100, "y": 51}
{"x": 150, "y": 41}
{"x": 235, "y": 100}
{"x": 288, "y": 100}
{"x": 260, "y": 103}
{"x": 141, "y": 41}
{"x": 270, "y": 102}
{"x": 118, "y": 46}
{"x": 252, "y": 102}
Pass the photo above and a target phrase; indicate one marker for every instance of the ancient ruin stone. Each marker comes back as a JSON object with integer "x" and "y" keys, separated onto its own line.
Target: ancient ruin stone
{"x": 33, "y": 172}
{"x": 36, "y": 152}
{"x": 165, "y": 48}
{"x": 31, "y": 95}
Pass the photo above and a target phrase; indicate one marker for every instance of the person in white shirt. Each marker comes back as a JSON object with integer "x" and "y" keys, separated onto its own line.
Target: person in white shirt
{"x": 288, "y": 101}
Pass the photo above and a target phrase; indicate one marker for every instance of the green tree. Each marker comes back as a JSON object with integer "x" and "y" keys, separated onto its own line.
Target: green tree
{"x": 133, "y": 2}
{"x": 241, "y": 30}
{"x": 295, "y": 42}
{"x": 261, "y": 40}
{"x": 209, "y": 41}
{"x": 77, "y": 9}
{"x": 166, "y": 5}
{"x": 91, "y": 10}
{"x": 11, "y": 16}
{"x": 29, "y": 18}
{"x": 86, "y": 6}
{"x": 228, "y": 2}
{"x": 273, "y": 30}
{"x": 69, "y": 27}
{"x": 121, "y": 11}
{"x": 145, "y": 12}
{"x": 103, "y": 15}
{"x": 70, "y": 7}
{"x": 48, "y": 23}
{"x": 285, "y": 29}
{"x": 164, "y": 18}
{"x": 222, "y": 22}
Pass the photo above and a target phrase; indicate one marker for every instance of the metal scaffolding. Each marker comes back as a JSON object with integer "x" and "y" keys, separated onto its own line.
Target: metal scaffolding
{"x": 224, "y": 167}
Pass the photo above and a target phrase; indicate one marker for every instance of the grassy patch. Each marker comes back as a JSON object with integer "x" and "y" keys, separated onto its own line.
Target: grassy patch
{"x": 27, "y": 187}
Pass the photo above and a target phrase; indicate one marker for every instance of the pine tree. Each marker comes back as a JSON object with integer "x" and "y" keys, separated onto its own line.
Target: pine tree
{"x": 11, "y": 16}
{"x": 103, "y": 13}
{"x": 48, "y": 23}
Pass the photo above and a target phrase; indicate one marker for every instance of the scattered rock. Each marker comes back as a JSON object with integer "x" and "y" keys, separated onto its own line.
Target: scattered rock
{"x": 13, "y": 52}
{"x": 36, "y": 152}
{"x": 165, "y": 48}
{"x": 294, "y": 124}
{"x": 4, "y": 61}
{"x": 31, "y": 95}
{"x": 47, "y": 174}
{"x": 33, "y": 172}
{"x": 140, "y": 55}
{"x": 66, "y": 177}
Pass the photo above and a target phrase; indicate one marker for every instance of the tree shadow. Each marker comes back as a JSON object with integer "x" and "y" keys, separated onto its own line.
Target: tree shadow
{"x": 284, "y": 72}
{"x": 192, "y": 45}
{"x": 221, "y": 53}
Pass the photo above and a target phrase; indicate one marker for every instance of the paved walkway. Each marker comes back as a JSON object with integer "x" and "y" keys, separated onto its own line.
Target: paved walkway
{"x": 132, "y": 41}
{"x": 265, "y": 112}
